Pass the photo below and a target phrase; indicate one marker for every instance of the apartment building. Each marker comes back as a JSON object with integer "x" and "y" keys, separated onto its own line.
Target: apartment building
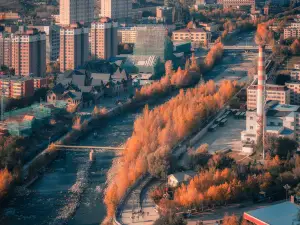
{"x": 40, "y": 82}
{"x": 29, "y": 53}
{"x": 291, "y": 32}
{"x": 165, "y": 14}
{"x": 17, "y": 87}
{"x": 236, "y": 3}
{"x": 116, "y": 9}
{"x": 74, "y": 46}
{"x": 52, "y": 40}
{"x": 5, "y": 48}
{"x": 73, "y": 11}
{"x": 295, "y": 74}
{"x": 103, "y": 39}
{"x": 197, "y": 35}
{"x": 273, "y": 92}
{"x": 128, "y": 34}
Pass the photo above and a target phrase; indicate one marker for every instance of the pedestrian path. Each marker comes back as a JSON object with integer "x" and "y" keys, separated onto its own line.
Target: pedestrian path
{"x": 139, "y": 208}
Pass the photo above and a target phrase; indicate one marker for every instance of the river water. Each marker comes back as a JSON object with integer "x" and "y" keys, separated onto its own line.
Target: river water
{"x": 50, "y": 201}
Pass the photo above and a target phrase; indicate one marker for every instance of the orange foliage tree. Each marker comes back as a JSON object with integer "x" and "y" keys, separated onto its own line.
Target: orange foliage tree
{"x": 157, "y": 131}
{"x": 5, "y": 181}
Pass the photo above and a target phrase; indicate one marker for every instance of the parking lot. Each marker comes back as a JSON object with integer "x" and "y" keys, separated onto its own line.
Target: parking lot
{"x": 227, "y": 136}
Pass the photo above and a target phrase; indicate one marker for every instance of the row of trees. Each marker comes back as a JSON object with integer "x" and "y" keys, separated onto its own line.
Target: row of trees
{"x": 157, "y": 131}
{"x": 181, "y": 77}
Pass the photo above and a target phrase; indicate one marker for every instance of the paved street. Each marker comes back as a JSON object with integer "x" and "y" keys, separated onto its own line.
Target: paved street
{"x": 150, "y": 215}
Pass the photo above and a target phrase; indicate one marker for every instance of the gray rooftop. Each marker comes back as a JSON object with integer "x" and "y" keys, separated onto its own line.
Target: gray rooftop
{"x": 280, "y": 214}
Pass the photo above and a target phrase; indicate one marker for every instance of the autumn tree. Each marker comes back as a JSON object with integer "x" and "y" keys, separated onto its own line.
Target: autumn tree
{"x": 6, "y": 180}
{"x": 230, "y": 220}
{"x": 295, "y": 47}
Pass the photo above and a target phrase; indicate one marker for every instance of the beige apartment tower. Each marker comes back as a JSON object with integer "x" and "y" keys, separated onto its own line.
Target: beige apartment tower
{"x": 116, "y": 9}
{"x": 73, "y": 11}
{"x": 5, "y": 48}
{"x": 29, "y": 53}
{"x": 104, "y": 39}
{"x": 74, "y": 46}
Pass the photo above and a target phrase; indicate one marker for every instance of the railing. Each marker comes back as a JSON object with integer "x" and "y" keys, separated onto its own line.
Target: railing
{"x": 87, "y": 147}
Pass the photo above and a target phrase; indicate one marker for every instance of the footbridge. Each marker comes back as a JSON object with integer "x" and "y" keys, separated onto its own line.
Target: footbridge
{"x": 243, "y": 48}
{"x": 85, "y": 148}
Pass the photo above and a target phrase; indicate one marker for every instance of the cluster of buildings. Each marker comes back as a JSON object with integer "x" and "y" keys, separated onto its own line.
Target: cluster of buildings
{"x": 272, "y": 109}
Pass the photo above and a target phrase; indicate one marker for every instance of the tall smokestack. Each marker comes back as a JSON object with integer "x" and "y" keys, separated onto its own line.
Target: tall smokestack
{"x": 260, "y": 93}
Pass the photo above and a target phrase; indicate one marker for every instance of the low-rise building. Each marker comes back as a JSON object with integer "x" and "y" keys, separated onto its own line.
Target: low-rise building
{"x": 17, "y": 87}
{"x": 295, "y": 74}
{"x": 273, "y": 92}
{"x": 236, "y": 3}
{"x": 40, "y": 82}
{"x": 176, "y": 179}
{"x": 196, "y": 35}
{"x": 211, "y": 27}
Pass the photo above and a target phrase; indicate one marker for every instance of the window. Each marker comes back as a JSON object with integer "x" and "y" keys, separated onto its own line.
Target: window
{"x": 251, "y": 118}
{"x": 251, "y": 127}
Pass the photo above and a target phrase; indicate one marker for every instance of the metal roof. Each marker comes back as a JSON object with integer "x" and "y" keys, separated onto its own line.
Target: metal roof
{"x": 280, "y": 214}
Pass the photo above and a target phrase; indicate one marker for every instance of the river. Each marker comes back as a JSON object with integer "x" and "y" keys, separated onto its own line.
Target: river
{"x": 70, "y": 191}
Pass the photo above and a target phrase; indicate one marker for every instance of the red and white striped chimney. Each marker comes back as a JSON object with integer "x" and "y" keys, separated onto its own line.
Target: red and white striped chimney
{"x": 260, "y": 92}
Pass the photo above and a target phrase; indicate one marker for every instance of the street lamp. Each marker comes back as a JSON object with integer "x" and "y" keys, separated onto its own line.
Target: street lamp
{"x": 287, "y": 188}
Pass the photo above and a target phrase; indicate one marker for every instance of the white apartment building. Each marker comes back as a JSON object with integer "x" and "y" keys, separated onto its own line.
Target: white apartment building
{"x": 73, "y": 11}
{"x": 116, "y": 9}
{"x": 279, "y": 93}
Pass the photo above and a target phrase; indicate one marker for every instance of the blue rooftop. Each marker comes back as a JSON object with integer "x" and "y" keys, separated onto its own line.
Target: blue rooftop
{"x": 280, "y": 214}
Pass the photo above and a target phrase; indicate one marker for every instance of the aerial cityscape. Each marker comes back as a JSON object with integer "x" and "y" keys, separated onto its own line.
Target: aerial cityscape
{"x": 150, "y": 112}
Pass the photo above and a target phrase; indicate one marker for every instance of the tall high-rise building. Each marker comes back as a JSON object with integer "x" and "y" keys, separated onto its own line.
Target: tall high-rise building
{"x": 73, "y": 11}
{"x": 5, "y": 48}
{"x": 116, "y": 9}
{"x": 103, "y": 39}
{"x": 29, "y": 53}
{"x": 52, "y": 40}
{"x": 74, "y": 46}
